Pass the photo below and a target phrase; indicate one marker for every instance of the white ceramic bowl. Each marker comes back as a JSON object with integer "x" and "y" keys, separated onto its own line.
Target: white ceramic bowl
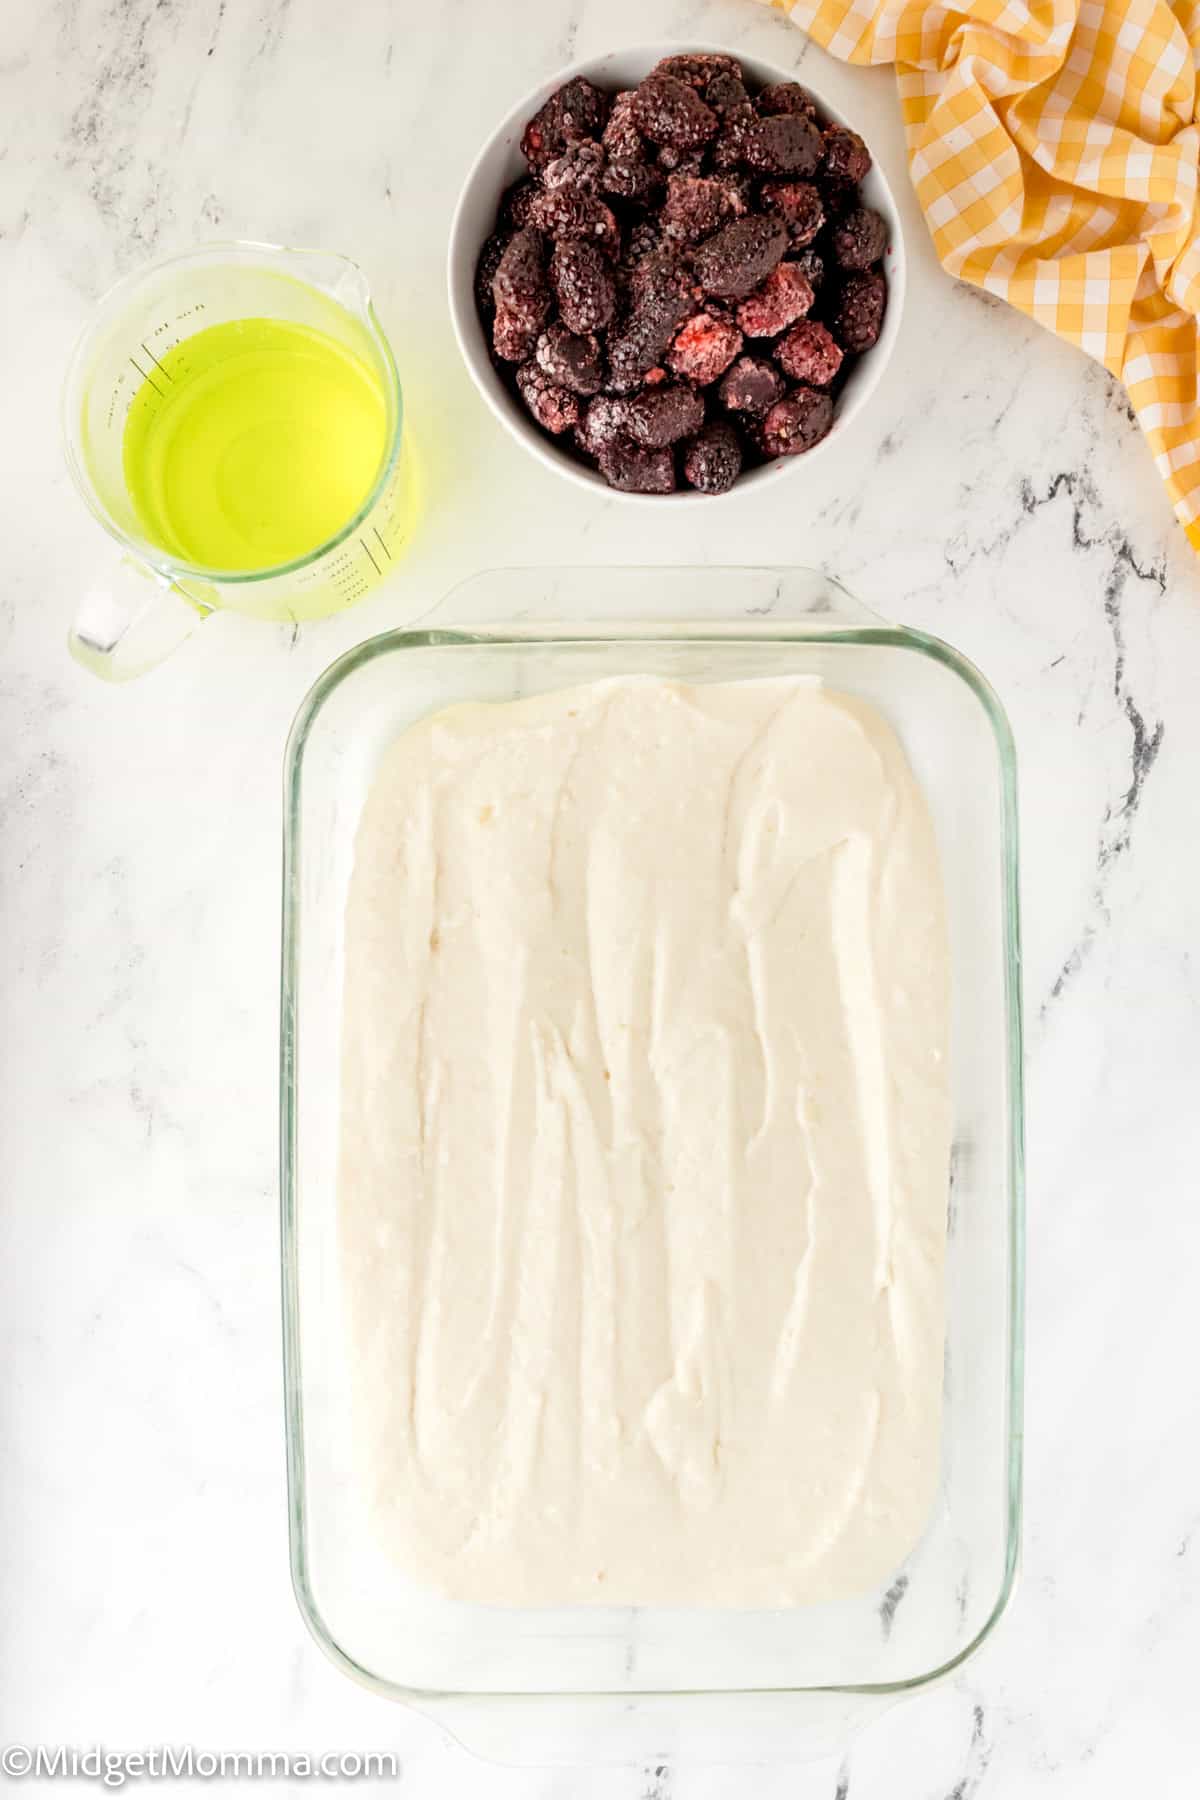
{"x": 500, "y": 162}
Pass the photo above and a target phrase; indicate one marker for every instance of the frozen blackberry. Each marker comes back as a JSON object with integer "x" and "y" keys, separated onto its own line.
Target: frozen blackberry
{"x": 636, "y": 471}
{"x": 571, "y": 359}
{"x": 485, "y": 273}
{"x": 752, "y": 386}
{"x": 738, "y": 257}
{"x": 725, "y": 92}
{"x": 808, "y": 353}
{"x": 576, "y": 111}
{"x": 565, "y": 213}
{"x": 642, "y": 241}
{"x": 667, "y": 111}
{"x": 847, "y": 159}
{"x": 698, "y": 68}
{"x": 811, "y": 263}
{"x": 785, "y": 296}
{"x": 786, "y": 97}
{"x": 633, "y": 180}
{"x": 698, "y": 205}
{"x": 555, "y": 408}
{"x": 859, "y": 239}
{"x": 712, "y": 461}
{"x": 858, "y": 315}
{"x": 659, "y": 299}
{"x": 798, "y": 204}
{"x": 795, "y": 423}
{"x": 602, "y": 423}
{"x": 584, "y": 286}
{"x": 784, "y": 144}
{"x": 520, "y": 286}
{"x": 512, "y": 339}
{"x": 662, "y": 415}
{"x": 514, "y": 208}
{"x": 580, "y": 166}
{"x": 738, "y": 126}
{"x": 704, "y": 348}
{"x": 621, "y": 138}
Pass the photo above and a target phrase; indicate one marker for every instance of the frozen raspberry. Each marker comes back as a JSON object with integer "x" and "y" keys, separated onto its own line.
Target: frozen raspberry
{"x": 784, "y": 144}
{"x": 571, "y": 359}
{"x": 485, "y": 273}
{"x": 576, "y": 111}
{"x": 811, "y": 263}
{"x": 858, "y": 317}
{"x": 860, "y": 239}
{"x": 659, "y": 299}
{"x": 704, "y": 348}
{"x": 698, "y": 68}
{"x": 787, "y": 97}
{"x": 512, "y": 339}
{"x": 662, "y": 415}
{"x": 752, "y": 386}
{"x": 580, "y": 166}
{"x": 520, "y": 285}
{"x": 847, "y": 158}
{"x": 637, "y": 471}
{"x": 796, "y": 423}
{"x": 725, "y": 92}
{"x": 668, "y": 112}
{"x": 737, "y": 258}
{"x": 555, "y": 408}
{"x": 584, "y": 286}
{"x": 603, "y": 422}
{"x": 785, "y": 296}
{"x": 567, "y": 213}
{"x": 514, "y": 207}
{"x": 799, "y": 206}
{"x": 713, "y": 460}
{"x": 809, "y": 354}
{"x": 698, "y": 205}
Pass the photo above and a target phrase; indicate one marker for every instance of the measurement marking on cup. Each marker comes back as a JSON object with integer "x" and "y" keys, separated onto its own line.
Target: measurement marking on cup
{"x": 370, "y": 558}
{"x": 382, "y": 545}
{"x": 155, "y": 361}
{"x": 137, "y": 365}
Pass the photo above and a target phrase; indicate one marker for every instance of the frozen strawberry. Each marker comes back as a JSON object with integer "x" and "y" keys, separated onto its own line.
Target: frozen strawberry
{"x": 704, "y": 347}
{"x": 785, "y": 296}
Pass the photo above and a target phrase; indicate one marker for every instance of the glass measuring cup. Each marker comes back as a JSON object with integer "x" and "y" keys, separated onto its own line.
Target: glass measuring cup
{"x": 152, "y": 599}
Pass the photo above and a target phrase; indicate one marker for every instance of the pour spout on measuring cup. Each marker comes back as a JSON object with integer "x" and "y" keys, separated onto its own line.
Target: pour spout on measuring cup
{"x": 133, "y": 622}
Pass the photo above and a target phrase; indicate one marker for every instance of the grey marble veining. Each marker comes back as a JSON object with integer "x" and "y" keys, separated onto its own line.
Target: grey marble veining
{"x": 997, "y": 493}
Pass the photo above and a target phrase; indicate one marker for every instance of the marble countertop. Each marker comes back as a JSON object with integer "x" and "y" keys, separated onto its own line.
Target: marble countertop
{"x": 997, "y": 493}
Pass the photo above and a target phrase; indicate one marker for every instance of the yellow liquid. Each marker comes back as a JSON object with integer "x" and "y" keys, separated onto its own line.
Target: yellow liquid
{"x": 253, "y": 442}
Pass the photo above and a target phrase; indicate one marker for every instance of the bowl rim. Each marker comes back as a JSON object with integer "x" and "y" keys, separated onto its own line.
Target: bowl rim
{"x": 461, "y": 258}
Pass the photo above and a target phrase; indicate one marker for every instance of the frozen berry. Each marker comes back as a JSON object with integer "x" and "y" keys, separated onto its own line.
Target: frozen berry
{"x": 784, "y": 144}
{"x": 485, "y": 273}
{"x": 642, "y": 241}
{"x": 811, "y": 263}
{"x": 571, "y": 359}
{"x": 514, "y": 208}
{"x": 555, "y": 408}
{"x": 859, "y": 239}
{"x": 662, "y": 415}
{"x": 725, "y": 92}
{"x": 512, "y": 339}
{"x": 576, "y": 111}
{"x": 580, "y": 166}
{"x": 698, "y": 68}
{"x": 567, "y": 213}
{"x": 659, "y": 299}
{"x": 698, "y": 205}
{"x": 603, "y": 422}
{"x": 787, "y": 97}
{"x": 799, "y": 206}
{"x": 584, "y": 286}
{"x": 752, "y": 386}
{"x": 704, "y": 348}
{"x": 785, "y": 296}
{"x": 667, "y": 111}
{"x": 621, "y": 137}
{"x": 713, "y": 460}
{"x": 520, "y": 285}
{"x": 858, "y": 316}
{"x": 847, "y": 158}
{"x": 637, "y": 471}
{"x": 739, "y": 256}
{"x": 671, "y": 161}
{"x": 739, "y": 123}
{"x": 797, "y": 422}
{"x": 809, "y": 354}
{"x": 634, "y": 180}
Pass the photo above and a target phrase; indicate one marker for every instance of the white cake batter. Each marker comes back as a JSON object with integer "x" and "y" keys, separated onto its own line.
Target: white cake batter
{"x": 644, "y": 1163}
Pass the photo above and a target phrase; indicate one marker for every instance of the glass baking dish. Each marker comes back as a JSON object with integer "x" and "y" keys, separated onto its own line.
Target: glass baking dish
{"x": 511, "y": 636}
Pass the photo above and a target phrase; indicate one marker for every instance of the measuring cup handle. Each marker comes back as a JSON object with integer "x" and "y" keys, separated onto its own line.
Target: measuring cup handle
{"x": 133, "y": 622}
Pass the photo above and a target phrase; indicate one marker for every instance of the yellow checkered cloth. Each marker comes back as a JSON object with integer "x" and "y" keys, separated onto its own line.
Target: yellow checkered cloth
{"x": 1054, "y": 149}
